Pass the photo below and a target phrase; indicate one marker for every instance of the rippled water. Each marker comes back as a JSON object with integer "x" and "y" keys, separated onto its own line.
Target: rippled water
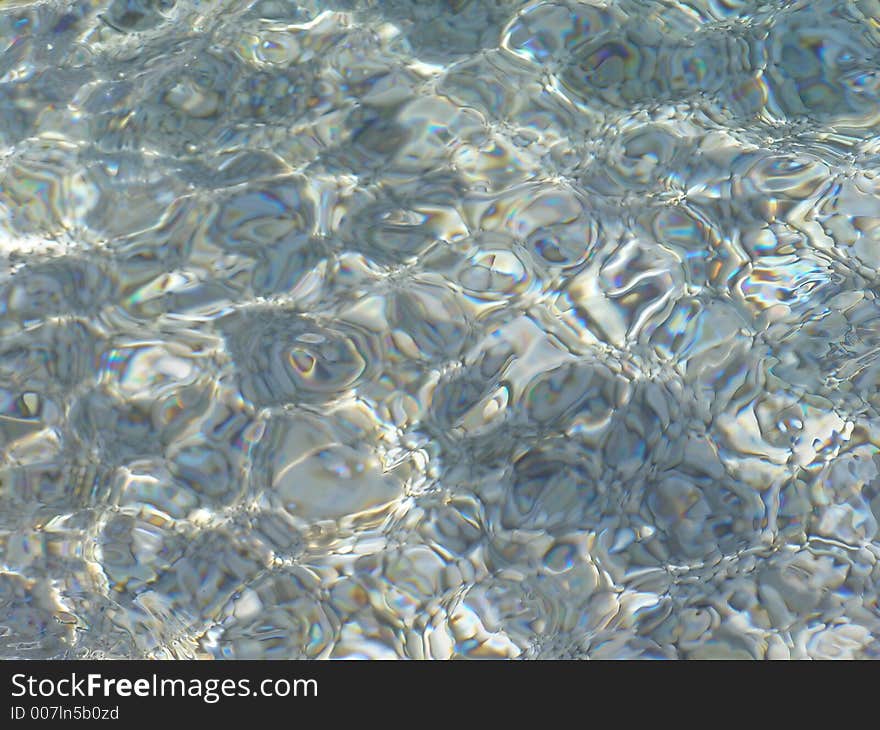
{"x": 478, "y": 328}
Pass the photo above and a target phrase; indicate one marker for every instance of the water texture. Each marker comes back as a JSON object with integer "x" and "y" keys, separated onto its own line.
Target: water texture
{"x": 439, "y": 329}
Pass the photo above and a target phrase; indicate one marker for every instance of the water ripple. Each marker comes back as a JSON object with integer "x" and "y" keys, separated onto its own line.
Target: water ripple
{"x": 521, "y": 329}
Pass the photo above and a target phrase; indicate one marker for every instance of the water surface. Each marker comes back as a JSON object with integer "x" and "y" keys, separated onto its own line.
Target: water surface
{"x": 439, "y": 329}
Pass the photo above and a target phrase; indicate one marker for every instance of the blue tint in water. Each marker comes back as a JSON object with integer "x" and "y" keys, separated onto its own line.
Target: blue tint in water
{"x": 484, "y": 328}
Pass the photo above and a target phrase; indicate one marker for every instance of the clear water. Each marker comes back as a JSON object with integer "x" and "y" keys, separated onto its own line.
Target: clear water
{"x": 439, "y": 329}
